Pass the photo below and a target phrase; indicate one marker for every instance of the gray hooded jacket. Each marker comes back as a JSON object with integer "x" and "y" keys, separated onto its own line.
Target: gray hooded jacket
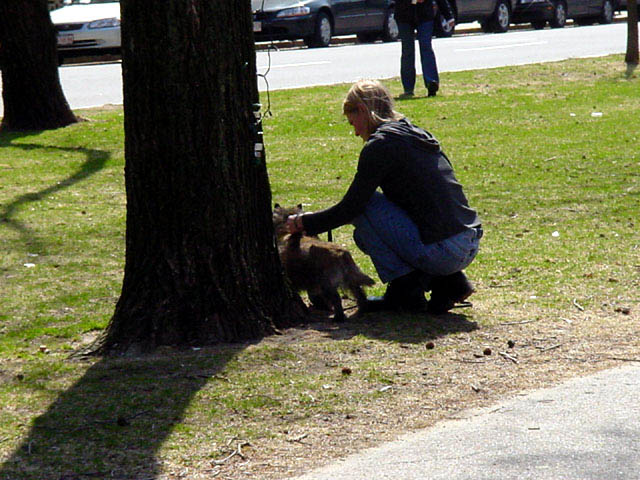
{"x": 408, "y": 165}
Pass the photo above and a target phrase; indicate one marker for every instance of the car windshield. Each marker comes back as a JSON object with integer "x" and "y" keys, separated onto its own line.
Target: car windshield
{"x": 87, "y": 2}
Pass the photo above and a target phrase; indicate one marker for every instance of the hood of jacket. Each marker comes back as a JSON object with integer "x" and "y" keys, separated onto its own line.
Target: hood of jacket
{"x": 405, "y": 131}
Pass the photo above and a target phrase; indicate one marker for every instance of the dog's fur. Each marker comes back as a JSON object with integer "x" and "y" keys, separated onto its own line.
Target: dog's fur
{"x": 317, "y": 266}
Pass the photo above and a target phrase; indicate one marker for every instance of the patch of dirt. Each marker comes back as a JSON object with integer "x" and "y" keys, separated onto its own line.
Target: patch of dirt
{"x": 456, "y": 362}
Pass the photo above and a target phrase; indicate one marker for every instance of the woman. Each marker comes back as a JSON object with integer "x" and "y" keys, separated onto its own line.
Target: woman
{"x": 419, "y": 231}
{"x": 418, "y": 16}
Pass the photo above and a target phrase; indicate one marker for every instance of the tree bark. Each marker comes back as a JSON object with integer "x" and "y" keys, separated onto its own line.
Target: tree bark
{"x": 31, "y": 91}
{"x": 631, "y": 58}
{"x": 201, "y": 262}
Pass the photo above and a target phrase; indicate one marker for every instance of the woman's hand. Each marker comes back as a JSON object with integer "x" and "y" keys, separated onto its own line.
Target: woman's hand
{"x": 294, "y": 223}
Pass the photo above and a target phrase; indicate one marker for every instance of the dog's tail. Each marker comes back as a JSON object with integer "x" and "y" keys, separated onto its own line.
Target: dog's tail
{"x": 354, "y": 275}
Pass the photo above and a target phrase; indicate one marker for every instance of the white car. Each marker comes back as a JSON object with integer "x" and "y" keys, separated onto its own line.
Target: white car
{"x": 87, "y": 27}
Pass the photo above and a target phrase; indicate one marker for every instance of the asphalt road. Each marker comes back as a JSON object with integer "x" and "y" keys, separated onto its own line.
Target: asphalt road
{"x": 347, "y": 63}
{"x": 587, "y": 428}
{"x": 91, "y": 85}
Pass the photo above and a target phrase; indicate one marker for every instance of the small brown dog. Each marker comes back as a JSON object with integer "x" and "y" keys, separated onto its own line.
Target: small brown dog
{"x": 317, "y": 266}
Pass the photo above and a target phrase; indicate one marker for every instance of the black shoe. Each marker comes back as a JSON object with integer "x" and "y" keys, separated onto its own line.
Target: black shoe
{"x": 403, "y": 294}
{"x": 447, "y": 291}
{"x": 432, "y": 88}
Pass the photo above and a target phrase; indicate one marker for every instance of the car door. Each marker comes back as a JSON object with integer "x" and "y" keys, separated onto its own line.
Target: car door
{"x": 350, "y": 16}
{"x": 376, "y": 11}
{"x": 577, "y": 7}
{"x": 471, "y": 10}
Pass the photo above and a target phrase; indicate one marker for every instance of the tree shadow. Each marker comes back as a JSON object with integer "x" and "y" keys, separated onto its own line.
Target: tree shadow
{"x": 395, "y": 327}
{"x": 112, "y": 422}
{"x": 94, "y": 161}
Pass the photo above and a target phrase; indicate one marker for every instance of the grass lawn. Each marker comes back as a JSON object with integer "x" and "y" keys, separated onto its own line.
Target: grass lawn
{"x": 547, "y": 153}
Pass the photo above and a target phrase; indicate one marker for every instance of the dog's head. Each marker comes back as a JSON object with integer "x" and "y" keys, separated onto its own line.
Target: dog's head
{"x": 280, "y": 215}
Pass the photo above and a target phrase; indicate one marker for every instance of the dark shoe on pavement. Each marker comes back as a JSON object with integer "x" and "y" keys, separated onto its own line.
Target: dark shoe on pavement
{"x": 432, "y": 89}
{"x": 403, "y": 294}
{"x": 447, "y": 291}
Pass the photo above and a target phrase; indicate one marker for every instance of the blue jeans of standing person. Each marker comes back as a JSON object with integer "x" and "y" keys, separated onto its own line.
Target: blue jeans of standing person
{"x": 408, "y": 58}
{"x": 387, "y": 234}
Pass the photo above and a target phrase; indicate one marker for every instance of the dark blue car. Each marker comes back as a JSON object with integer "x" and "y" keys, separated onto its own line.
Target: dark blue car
{"x": 556, "y": 12}
{"x": 316, "y": 21}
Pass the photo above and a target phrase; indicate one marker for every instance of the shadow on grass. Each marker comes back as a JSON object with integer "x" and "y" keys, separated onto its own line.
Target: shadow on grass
{"x": 112, "y": 421}
{"x": 95, "y": 161}
{"x": 396, "y": 327}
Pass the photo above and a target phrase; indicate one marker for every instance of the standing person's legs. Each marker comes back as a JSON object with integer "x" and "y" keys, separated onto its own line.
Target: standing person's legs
{"x": 408, "y": 57}
{"x": 428, "y": 57}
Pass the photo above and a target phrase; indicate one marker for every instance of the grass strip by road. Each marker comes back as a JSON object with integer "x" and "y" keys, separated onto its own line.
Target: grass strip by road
{"x": 548, "y": 154}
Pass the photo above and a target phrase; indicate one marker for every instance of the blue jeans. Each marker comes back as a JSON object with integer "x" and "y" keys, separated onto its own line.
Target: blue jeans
{"x": 408, "y": 58}
{"x": 387, "y": 234}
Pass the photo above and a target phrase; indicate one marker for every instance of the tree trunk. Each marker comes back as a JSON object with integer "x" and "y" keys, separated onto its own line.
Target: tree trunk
{"x": 631, "y": 58}
{"x": 201, "y": 266}
{"x": 31, "y": 91}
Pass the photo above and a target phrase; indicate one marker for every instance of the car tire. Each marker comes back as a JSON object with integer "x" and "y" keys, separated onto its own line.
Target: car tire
{"x": 390, "y": 31}
{"x": 606, "y": 14}
{"x": 322, "y": 32}
{"x": 501, "y": 17}
{"x": 539, "y": 24}
{"x": 559, "y": 18}
{"x": 441, "y": 27}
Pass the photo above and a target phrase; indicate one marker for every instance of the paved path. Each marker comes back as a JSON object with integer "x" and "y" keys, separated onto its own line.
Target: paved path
{"x": 587, "y": 428}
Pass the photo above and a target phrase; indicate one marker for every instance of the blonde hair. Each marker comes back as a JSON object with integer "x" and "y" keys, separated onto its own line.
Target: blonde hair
{"x": 375, "y": 97}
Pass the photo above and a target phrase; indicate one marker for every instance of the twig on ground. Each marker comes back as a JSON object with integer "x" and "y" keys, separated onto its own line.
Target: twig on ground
{"x": 298, "y": 438}
{"x": 214, "y": 472}
{"x": 521, "y": 322}
{"x": 544, "y": 349}
{"x": 622, "y": 359}
{"x": 121, "y": 421}
{"x": 577, "y": 305}
{"x": 508, "y": 357}
{"x": 237, "y": 451}
{"x": 464, "y": 360}
{"x": 566, "y": 320}
{"x": 75, "y": 476}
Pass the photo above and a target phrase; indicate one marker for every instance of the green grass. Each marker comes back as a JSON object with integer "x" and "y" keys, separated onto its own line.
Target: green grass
{"x": 524, "y": 143}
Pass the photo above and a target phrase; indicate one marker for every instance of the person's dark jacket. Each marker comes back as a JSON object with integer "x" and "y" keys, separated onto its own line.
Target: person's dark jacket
{"x": 410, "y": 168}
{"x": 406, "y": 12}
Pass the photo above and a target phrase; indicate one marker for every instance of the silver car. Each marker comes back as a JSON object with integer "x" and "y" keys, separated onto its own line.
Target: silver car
{"x": 87, "y": 26}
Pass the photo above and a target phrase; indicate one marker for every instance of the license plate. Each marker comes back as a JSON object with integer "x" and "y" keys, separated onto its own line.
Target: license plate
{"x": 257, "y": 26}
{"x": 64, "y": 40}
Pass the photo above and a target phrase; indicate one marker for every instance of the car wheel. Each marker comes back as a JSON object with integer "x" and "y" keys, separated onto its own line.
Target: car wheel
{"x": 501, "y": 18}
{"x": 321, "y": 33}
{"x": 559, "y": 18}
{"x": 441, "y": 27}
{"x": 538, "y": 24}
{"x": 390, "y": 32}
{"x": 606, "y": 15}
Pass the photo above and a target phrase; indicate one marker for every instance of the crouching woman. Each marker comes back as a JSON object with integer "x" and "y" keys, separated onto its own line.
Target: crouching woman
{"x": 410, "y": 213}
